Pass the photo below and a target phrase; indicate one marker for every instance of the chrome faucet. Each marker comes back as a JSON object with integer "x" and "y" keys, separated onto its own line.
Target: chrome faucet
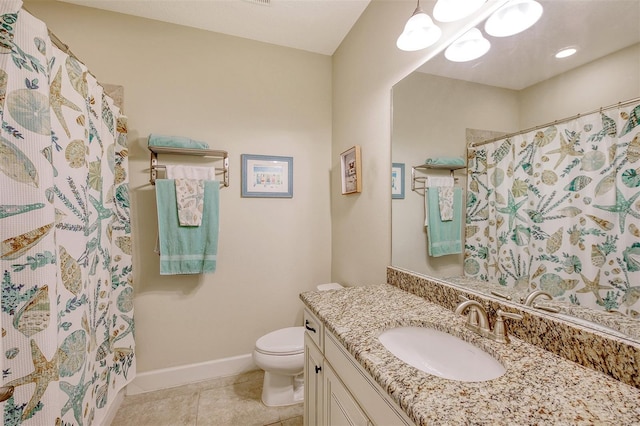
{"x": 478, "y": 320}
{"x": 530, "y": 300}
{"x": 531, "y": 297}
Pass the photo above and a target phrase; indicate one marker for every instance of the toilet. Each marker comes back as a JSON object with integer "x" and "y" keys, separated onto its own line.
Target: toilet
{"x": 280, "y": 354}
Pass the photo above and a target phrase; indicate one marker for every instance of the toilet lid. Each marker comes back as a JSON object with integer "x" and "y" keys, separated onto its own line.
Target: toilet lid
{"x": 286, "y": 341}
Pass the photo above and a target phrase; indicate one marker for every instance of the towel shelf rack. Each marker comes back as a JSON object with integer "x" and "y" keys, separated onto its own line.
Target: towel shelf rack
{"x": 424, "y": 168}
{"x": 216, "y": 155}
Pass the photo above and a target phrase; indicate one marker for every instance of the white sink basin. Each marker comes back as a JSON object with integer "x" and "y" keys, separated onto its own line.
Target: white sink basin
{"x": 441, "y": 354}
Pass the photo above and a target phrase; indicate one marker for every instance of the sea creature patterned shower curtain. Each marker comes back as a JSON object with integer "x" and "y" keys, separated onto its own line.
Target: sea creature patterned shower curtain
{"x": 67, "y": 343}
{"x": 558, "y": 209}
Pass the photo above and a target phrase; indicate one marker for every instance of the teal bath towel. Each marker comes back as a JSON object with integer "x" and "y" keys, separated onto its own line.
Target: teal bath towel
{"x": 175, "y": 142}
{"x": 444, "y": 237}
{"x": 446, "y": 161}
{"x": 187, "y": 249}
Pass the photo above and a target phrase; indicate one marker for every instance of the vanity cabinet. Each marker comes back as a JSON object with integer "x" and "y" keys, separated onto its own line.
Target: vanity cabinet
{"x": 313, "y": 370}
{"x": 313, "y": 383}
{"x": 340, "y": 408}
{"x": 338, "y": 391}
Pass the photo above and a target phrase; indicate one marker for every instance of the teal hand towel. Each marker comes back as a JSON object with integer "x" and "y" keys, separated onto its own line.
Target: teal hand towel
{"x": 176, "y": 142}
{"x": 187, "y": 249}
{"x": 446, "y": 161}
{"x": 444, "y": 237}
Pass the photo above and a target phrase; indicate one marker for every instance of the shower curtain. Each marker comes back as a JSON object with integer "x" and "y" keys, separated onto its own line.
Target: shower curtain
{"x": 558, "y": 209}
{"x": 67, "y": 342}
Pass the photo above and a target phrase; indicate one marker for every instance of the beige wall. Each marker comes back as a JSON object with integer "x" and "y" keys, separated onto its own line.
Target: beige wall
{"x": 365, "y": 67}
{"x": 241, "y": 96}
{"x": 605, "y": 81}
{"x": 430, "y": 117}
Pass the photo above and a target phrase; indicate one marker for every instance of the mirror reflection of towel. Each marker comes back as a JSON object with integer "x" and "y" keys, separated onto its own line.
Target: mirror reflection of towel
{"x": 432, "y": 183}
{"x": 445, "y": 237}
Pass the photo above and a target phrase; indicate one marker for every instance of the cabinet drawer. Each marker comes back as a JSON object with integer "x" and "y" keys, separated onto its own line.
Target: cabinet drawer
{"x": 314, "y": 329}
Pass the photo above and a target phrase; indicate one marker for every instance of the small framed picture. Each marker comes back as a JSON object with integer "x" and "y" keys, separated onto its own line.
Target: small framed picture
{"x": 397, "y": 180}
{"x": 351, "y": 170}
{"x": 267, "y": 176}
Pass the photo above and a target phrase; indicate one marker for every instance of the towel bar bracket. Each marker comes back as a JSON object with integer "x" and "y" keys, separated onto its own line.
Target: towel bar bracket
{"x": 226, "y": 170}
{"x": 152, "y": 168}
{"x": 214, "y": 154}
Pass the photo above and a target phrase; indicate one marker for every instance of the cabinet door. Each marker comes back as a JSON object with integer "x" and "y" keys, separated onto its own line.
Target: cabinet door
{"x": 313, "y": 382}
{"x": 375, "y": 402}
{"x": 340, "y": 409}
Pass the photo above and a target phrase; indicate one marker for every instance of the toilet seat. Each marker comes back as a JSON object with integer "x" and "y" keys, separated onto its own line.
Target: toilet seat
{"x": 286, "y": 341}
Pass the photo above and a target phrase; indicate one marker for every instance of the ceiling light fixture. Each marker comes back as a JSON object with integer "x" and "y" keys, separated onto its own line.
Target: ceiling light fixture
{"x": 454, "y": 10}
{"x": 566, "y": 52}
{"x": 471, "y": 45}
{"x": 514, "y": 17}
{"x": 419, "y": 32}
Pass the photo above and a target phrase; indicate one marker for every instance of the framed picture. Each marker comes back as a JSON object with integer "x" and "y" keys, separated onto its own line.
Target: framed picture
{"x": 397, "y": 180}
{"x": 267, "y": 176}
{"x": 351, "y": 170}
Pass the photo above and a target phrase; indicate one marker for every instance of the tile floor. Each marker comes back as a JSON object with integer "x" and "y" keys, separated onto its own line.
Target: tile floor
{"x": 228, "y": 401}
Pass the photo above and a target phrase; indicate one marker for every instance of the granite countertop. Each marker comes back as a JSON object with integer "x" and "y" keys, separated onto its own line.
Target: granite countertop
{"x": 538, "y": 387}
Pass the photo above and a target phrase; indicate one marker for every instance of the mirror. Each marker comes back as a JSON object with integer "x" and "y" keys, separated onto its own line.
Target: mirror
{"x": 519, "y": 84}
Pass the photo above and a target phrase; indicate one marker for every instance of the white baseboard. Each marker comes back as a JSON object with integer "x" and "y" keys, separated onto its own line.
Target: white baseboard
{"x": 183, "y": 375}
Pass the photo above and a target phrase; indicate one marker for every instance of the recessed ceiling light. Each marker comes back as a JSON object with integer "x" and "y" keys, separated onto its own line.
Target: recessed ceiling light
{"x": 566, "y": 52}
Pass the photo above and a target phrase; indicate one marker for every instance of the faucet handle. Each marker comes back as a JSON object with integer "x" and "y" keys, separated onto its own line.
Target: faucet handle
{"x": 500, "y": 328}
{"x": 552, "y": 309}
{"x": 501, "y": 294}
{"x": 500, "y": 313}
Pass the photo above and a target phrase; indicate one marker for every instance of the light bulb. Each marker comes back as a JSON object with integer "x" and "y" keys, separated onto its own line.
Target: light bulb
{"x": 419, "y": 32}
{"x": 514, "y": 17}
{"x": 471, "y": 45}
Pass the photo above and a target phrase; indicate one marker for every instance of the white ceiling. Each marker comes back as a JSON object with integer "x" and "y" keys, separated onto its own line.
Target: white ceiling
{"x": 597, "y": 27}
{"x": 313, "y": 25}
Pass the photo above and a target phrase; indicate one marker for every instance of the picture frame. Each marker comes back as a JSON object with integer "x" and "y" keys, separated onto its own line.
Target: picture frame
{"x": 397, "y": 181}
{"x": 351, "y": 170}
{"x": 267, "y": 176}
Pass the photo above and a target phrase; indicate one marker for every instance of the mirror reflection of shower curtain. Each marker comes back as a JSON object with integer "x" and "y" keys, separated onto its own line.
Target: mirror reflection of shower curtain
{"x": 558, "y": 209}
{"x": 67, "y": 299}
